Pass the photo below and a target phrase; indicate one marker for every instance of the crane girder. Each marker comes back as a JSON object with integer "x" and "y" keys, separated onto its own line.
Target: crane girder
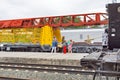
{"x": 57, "y": 21}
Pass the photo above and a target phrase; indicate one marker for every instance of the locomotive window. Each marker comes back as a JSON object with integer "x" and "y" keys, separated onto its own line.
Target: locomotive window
{"x": 113, "y": 30}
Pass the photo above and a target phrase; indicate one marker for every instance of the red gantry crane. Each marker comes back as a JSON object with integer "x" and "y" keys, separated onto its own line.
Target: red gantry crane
{"x": 36, "y": 34}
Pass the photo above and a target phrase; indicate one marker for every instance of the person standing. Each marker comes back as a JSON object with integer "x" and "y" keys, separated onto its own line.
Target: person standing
{"x": 54, "y": 45}
{"x": 70, "y": 46}
{"x": 105, "y": 40}
{"x": 64, "y": 47}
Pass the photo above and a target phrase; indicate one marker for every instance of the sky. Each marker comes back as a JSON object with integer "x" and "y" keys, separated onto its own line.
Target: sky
{"x": 16, "y": 9}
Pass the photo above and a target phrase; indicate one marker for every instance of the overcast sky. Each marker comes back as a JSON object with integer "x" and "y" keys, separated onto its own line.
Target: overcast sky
{"x": 12, "y": 9}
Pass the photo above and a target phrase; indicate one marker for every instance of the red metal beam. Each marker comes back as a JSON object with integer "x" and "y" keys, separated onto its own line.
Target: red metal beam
{"x": 58, "y": 21}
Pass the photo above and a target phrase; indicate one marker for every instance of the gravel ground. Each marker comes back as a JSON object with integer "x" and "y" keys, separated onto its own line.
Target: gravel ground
{"x": 34, "y": 75}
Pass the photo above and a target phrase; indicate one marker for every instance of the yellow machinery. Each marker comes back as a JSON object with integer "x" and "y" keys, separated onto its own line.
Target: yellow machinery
{"x": 42, "y": 36}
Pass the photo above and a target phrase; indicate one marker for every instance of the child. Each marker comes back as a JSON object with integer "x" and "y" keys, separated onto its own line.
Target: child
{"x": 70, "y": 46}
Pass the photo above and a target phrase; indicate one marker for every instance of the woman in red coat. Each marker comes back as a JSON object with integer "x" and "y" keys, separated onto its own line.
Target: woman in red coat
{"x": 64, "y": 47}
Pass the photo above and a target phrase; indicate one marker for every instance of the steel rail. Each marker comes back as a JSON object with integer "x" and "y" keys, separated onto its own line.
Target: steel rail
{"x": 64, "y": 70}
{"x": 10, "y": 78}
{"x": 40, "y": 65}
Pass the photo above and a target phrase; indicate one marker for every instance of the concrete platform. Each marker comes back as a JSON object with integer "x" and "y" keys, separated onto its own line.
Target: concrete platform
{"x": 42, "y": 58}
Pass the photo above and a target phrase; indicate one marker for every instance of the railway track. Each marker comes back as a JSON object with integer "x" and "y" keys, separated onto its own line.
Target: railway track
{"x": 38, "y": 66}
{"x": 55, "y": 68}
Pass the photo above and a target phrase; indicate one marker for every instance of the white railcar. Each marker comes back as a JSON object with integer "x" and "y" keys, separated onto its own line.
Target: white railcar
{"x": 83, "y": 35}
{"x": 80, "y": 35}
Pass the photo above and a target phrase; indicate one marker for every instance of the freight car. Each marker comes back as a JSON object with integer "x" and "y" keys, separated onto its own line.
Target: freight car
{"x": 85, "y": 40}
{"x": 29, "y": 39}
